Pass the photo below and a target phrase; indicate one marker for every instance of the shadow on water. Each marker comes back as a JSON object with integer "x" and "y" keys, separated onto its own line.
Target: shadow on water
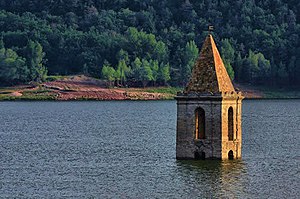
{"x": 212, "y": 178}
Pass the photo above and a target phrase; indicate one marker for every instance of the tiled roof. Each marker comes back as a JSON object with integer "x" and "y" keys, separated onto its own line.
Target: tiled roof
{"x": 209, "y": 74}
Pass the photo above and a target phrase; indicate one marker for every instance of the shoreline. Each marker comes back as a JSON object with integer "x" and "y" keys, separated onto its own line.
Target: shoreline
{"x": 82, "y": 88}
{"x": 82, "y": 99}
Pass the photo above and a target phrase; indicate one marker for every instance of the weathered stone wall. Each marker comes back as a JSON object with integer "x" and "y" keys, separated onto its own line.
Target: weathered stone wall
{"x": 235, "y": 144}
{"x": 216, "y": 143}
{"x": 187, "y": 145}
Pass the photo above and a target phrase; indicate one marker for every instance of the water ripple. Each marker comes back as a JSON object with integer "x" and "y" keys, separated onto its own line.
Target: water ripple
{"x": 127, "y": 150}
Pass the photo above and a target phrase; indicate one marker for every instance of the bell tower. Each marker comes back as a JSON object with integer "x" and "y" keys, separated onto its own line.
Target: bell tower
{"x": 209, "y": 111}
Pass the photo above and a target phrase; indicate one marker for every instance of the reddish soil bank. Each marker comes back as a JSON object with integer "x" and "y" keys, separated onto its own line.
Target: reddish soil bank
{"x": 88, "y": 88}
{"x": 85, "y": 88}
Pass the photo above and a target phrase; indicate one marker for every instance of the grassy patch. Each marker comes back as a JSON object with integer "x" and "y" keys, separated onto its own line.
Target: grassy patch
{"x": 36, "y": 92}
{"x": 165, "y": 90}
{"x": 28, "y": 98}
{"x": 39, "y": 94}
{"x": 54, "y": 78}
{"x": 6, "y": 90}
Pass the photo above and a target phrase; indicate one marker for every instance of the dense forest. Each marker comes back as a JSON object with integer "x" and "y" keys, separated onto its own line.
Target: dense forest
{"x": 148, "y": 42}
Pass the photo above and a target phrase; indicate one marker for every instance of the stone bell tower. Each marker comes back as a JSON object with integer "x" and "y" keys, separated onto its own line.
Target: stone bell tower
{"x": 209, "y": 111}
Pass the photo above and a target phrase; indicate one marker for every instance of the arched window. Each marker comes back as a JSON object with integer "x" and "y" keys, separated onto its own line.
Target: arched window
{"x": 230, "y": 155}
{"x": 230, "y": 124}
{"x": 200, "y": 123}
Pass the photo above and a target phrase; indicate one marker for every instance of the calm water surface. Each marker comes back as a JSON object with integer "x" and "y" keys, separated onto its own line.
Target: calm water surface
{"x": 127, "y": 150}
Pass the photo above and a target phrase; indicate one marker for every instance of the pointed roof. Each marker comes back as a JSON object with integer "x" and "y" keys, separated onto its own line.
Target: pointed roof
{"x": 209, "y": 74}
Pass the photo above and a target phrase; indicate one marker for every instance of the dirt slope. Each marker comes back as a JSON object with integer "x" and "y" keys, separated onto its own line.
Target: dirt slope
{"x": 86, "y": 88}
{"x": 81, "y": 87}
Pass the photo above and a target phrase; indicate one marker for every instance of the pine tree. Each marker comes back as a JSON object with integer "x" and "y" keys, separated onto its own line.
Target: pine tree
{"x": 108, "y": 73}
{"x": 34, "y": 57}
{"x": 228, "y": 55}
{"x": 190, "y": 56}
{"x": 164, "y": 73}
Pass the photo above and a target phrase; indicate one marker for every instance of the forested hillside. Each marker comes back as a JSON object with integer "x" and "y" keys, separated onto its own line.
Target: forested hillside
{"x": 148, "y": 42}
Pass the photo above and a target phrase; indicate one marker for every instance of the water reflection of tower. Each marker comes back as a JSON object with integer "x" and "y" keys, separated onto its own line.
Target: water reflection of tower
{"x": 233, "y": 179}
{"x": 213, "y": 179}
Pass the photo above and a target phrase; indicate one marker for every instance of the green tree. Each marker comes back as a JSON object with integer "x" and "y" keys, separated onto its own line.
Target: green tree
{"x": 190, "y": 55}
{"x": 34, "y": 57}
{"x": 282, "y": 74}
{"x": 145, "y": 45}
{"x": 228, "y": 56}
{"x": 77, "y": 36}
{"x": 136, "y": 69}
{"x": 1, "y": 43}
{"x": 164, "y": 73}
{"x": 160, "y": 52}
{"x": 238, "y": 66}
{"x": 146, "y": 74}
{"x": 13, "y": 68}
{"x": 155, "y": 69}
{"x": 264, "y": 67}
{"x": 123, "y": 55}
{"x": 123, "y": 71}
{"x": 108, "y": 73}
{"x": 256, "y": 68}
{"x": 229, "y": 69}
{"x": 118, "y": 76}
{"x": 292, "y": 70}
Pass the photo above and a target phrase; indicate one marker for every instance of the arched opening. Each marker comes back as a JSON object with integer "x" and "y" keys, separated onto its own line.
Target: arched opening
{"x": 230, "y": 155}
{"x": 199, "y": 156}
{"x": 230, "y": 124}
{"x": 200, "y": 123}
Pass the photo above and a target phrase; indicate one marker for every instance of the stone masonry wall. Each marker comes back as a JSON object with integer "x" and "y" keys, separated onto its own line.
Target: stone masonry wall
{"x": 216, "y": 144}
{"x": 234, "y": 145}
{"x": 186, "y": 144}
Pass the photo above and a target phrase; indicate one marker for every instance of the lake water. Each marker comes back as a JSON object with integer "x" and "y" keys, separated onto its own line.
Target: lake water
{"x": 127, "y": 150}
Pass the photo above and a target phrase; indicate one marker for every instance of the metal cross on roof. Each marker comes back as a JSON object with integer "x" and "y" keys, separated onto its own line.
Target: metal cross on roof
{"x": 210, "y": 29}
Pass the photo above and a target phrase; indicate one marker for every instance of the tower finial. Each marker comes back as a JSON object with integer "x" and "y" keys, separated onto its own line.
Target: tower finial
{"x": 210, "y": 29}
